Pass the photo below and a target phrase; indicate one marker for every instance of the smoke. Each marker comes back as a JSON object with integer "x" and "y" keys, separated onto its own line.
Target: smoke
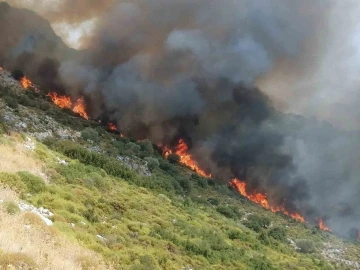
{"x": 217, "y": 74}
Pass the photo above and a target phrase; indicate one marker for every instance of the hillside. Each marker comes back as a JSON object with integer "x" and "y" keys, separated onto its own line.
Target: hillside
{"x": 121, "y": 200}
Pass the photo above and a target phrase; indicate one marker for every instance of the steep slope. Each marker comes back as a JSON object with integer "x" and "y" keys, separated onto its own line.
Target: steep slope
{"x": 103, "y": 197}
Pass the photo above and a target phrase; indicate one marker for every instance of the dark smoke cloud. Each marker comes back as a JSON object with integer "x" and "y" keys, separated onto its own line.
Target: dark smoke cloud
{"x": 166, "y": 70}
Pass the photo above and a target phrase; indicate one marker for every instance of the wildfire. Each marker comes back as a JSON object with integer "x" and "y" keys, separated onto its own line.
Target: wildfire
{"x": 181, "y": 149}
{"x": 61, "y": 101}
{"x": 262, "y": 199}
{"x": 65, "y": 102}
{"x": 79, "y": 108}
{"x": 322, "y": 226}
{"x": 112, "y": 126}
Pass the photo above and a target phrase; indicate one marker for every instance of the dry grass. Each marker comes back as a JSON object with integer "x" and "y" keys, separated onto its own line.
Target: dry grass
{"x": 27, "y": 243}
{"x": 15, "y": 158}
{"x": 7, "y": 195}
{"x": 25, "y": 237}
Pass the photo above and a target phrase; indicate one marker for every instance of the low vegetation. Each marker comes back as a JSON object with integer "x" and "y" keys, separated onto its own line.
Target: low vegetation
{"x": 105, "y": 211}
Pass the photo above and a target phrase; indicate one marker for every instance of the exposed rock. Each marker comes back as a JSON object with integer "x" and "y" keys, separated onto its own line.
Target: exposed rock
{"x": 136, "y": 165}
{"x": 43, "y": 213}
{"x": 336, "y": 254}
{"x": 62, "y": 162}
{"x": 103, "y": 239}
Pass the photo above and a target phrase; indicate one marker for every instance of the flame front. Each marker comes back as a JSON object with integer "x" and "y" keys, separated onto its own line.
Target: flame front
{"x": 61, "y": 101}
{"x": 79, "y": 108}
{"x": 262, "y": 199}
{"x": 65, "y": 102}
{"x": 182, "y": 150}
{"x": 322, "y": 225}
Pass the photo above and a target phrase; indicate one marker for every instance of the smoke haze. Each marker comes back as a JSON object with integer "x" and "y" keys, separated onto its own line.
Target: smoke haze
{"x": 217, "y": 74}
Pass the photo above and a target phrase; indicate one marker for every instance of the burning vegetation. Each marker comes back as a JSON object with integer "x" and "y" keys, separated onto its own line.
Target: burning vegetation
{"x": 322, "y": 225}
{"x": 185, "y": 158}
{"x": 26, "y": 83}
{"x": 262, "y": 199}
{"x": 182, "y": 150}
{"x": 65, "y": 102}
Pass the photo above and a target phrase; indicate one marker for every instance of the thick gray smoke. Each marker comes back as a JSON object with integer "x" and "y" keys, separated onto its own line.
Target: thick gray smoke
{"x": 165, "y": 70}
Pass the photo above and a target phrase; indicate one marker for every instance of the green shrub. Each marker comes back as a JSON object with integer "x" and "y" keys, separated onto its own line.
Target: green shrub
{"x": 90, "y": 134}
{"x": 264, "y": 238}
{"x": 109, "y": 164}
{"x": 236, "y": 234}
{"x": 228, "y": 212}
{"x": 214, "y": 201}
{"x": 152, "y": 163}
{"x": 26, "y": 101}
{"x": 173, "y": 158}
{"x": 256, "y": 223}
{"x": 305, "y": 246}
{"x": 132, "y": 149}
{"x": 147, "y": 146}
{"x": 13, "y": 181}
{"x": 34, "y": 183}
{"x": 260, "y": 263}
{"x": 11, "y": 102}
{"x": 168, "y": 167}
{"x": 184, "y": 183}
{"x": 278, "y": 234}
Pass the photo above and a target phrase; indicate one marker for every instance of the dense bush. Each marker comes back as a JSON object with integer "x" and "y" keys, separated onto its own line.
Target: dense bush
{"x": 306, "y": 246}
{"x": 11, "y": 102}
{"x": 200, "y": 181}
{"x": 184, "y": 183}
{"x": 109, "y": 164}
{"x": 34, "y": 183}
{"x": 256, "y": 223}
{"x": 238, "y": 235}
{"x": 152, "y": 163}
{"x": 90, "y": 134}
{"x": 13, "y": 181}
{"x": 228, "y": 212}
{"x": 264, "y": 238}
{"x": 147, "y": 146}
{"x": 132, "y": 149}
{"x": 173, "y": 158}
{"x": 260, "y": 263}
{"x": 278, "y": 234}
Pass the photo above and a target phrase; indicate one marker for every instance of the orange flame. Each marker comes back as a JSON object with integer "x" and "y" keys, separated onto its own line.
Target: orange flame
{"x": 25, "y": 82}
{"x": 61, "y": 101}
{"x": 1, "y": 69}
{"x": 79, "y": 108}
{"x": 112, "y": 126}
{"x": 181, "y": 149}
{"x": 262, "y": 199}
{"x": 65, "y": 102}
{"x": 322, "y": 225}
